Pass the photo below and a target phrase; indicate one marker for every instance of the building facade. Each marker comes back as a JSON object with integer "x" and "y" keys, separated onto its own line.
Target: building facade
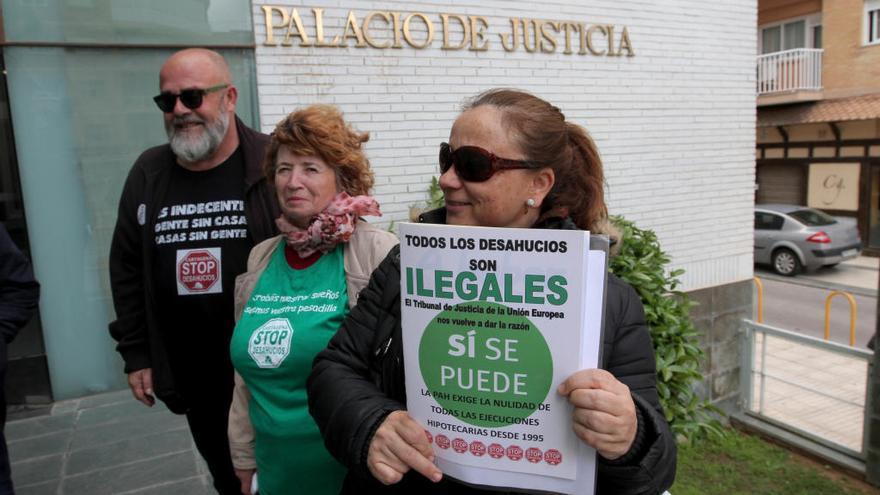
{"x": 78, "y": 79}
{"x": 818, "y": 132}
{"x": 666, "y": 89}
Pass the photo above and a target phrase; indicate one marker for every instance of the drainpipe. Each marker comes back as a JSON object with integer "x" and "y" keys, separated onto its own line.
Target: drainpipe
{"x": 784, "y": 134}
{"x": 835, "y": 129}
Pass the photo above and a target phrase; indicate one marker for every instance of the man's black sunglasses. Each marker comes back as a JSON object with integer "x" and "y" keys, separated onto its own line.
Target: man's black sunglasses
{"x": 474, "y": 164}
{"x": 191, "y": 98}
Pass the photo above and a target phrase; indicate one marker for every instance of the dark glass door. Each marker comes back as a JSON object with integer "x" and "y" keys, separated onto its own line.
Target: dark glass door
{"x": 27, "y": 377}
{"x": 872, "y": 237}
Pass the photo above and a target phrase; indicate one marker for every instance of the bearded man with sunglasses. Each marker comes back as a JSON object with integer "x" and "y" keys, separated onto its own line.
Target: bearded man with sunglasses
{"x": 190, "y": 212}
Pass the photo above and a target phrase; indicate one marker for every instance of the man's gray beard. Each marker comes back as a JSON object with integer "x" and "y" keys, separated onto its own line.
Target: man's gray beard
{"x": 197, "y": 148}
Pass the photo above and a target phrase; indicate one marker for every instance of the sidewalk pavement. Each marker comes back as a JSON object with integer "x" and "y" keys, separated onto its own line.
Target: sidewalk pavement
{"x": 105, "y": 444}
{"x": 827, "y": 401}
{"x": 810, "y": 388}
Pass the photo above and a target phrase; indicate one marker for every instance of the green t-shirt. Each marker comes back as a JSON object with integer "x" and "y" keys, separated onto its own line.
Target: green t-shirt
{"x": 290, "y": 317}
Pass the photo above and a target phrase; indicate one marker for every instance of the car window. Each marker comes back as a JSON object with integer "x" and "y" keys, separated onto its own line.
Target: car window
{"x": 812, "y": 218}
{"x": 768, "y": 221}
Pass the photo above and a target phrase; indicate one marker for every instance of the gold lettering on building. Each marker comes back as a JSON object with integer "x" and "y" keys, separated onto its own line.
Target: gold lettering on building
{"x": 368, "y": 37}
{"x": 479, "y": 24}
{"x": 270, "y": 26}
{"x": 611, "y": 52}
{"x": 513, "y": 36}
{"x": 355, "y": 33}
{"x": 548, "y": 40}
{"x": 568, "y": 27}
{"x": 589, "y": 37}
{"x": 465, "y": 27}
{"x": 389, "y": 29}
{"x": 407, "y": 34}
{"x": 625, "y": 44}
{"x": 396, "y": 17}
{"x": 530, "y": 26}
{"x": 319, "y": 29}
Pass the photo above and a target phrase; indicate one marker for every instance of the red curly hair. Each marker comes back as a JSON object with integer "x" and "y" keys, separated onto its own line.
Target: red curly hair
{"x": 320, "y": 130}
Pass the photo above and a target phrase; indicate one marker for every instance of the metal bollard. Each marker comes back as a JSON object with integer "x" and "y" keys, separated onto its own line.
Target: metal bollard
{"x": 852, "y": 315}
{"x": 760, "y": 286}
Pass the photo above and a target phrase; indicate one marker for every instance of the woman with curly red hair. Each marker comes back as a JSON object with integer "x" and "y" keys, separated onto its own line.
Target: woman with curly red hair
{"x": 297, "y": 289}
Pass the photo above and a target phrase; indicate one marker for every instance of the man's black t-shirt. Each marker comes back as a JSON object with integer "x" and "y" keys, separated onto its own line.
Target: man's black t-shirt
{"x": 202, "y": 243}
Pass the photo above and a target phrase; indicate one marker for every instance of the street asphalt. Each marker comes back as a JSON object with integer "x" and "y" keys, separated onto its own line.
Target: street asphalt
{"x": 857, "y": 276}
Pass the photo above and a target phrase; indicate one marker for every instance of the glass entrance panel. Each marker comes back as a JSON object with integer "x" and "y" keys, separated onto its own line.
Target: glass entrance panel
{"x": 27, "y": 375}
{"x": 82, "y": 116}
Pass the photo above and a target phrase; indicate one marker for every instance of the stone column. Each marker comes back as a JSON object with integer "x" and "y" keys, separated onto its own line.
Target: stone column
{"x": 718, "y": 316}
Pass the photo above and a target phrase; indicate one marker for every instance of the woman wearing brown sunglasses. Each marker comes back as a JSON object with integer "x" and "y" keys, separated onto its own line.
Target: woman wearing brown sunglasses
{"x": 512, "y": 161}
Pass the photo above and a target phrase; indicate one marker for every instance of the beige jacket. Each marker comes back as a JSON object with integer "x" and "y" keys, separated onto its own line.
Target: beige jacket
{"x": 361, "y": 255}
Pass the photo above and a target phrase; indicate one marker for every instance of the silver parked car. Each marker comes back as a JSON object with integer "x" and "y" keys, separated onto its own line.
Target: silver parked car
{"x": 791, "y": 238}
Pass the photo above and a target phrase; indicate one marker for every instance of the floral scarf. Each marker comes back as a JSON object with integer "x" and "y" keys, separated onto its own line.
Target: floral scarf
{"x": 334, "y": 225}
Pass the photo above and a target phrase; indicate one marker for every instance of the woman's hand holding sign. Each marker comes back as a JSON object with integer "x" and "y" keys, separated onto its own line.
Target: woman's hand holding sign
{"x": 399, "y": 445}
{"x": 604, "y": 411}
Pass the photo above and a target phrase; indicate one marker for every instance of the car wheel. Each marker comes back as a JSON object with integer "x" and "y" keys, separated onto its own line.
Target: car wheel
{"x": 786, "y": 263}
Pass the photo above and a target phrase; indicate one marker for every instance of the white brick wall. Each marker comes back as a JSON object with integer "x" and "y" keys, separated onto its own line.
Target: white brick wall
{"x": 675, "y": 124}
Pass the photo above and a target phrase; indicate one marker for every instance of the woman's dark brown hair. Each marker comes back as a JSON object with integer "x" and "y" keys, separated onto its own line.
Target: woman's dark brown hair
{"x": 542, "y": 133}
{"x": 320, "y": 130}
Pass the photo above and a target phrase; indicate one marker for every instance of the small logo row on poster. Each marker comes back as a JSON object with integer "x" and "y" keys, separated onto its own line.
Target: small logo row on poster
{"x": 496, "y": 451}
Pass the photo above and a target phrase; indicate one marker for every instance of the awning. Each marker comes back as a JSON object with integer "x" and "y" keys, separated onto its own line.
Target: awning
{"x": 837, "y": 110}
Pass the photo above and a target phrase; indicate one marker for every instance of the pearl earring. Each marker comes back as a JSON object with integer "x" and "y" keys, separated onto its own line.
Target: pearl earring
{"x": 530, "y": 203}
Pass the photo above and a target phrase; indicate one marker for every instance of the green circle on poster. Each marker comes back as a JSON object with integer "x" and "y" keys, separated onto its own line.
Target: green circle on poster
{"x": 485, "y": 364}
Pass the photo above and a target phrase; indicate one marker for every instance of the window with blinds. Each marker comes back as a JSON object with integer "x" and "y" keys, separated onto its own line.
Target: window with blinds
{"x": 790, "y": 34}
{"x": 872, "y": 22}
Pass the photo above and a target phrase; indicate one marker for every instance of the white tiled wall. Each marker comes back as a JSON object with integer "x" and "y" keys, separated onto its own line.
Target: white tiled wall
{"x": 675, "y": 123}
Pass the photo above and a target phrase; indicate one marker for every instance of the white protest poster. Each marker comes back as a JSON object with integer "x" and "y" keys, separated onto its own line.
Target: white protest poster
{"x": 494, "y": 319}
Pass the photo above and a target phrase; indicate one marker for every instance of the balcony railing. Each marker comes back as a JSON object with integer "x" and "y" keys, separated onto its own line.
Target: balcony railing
{"x": 790, "y": 70}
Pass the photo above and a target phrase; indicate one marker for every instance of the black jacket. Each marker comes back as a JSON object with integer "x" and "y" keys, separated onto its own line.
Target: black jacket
{"x": 19, "y": 291}
{"x": 358, "y": 380}
{"x": 132, "y": 252}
